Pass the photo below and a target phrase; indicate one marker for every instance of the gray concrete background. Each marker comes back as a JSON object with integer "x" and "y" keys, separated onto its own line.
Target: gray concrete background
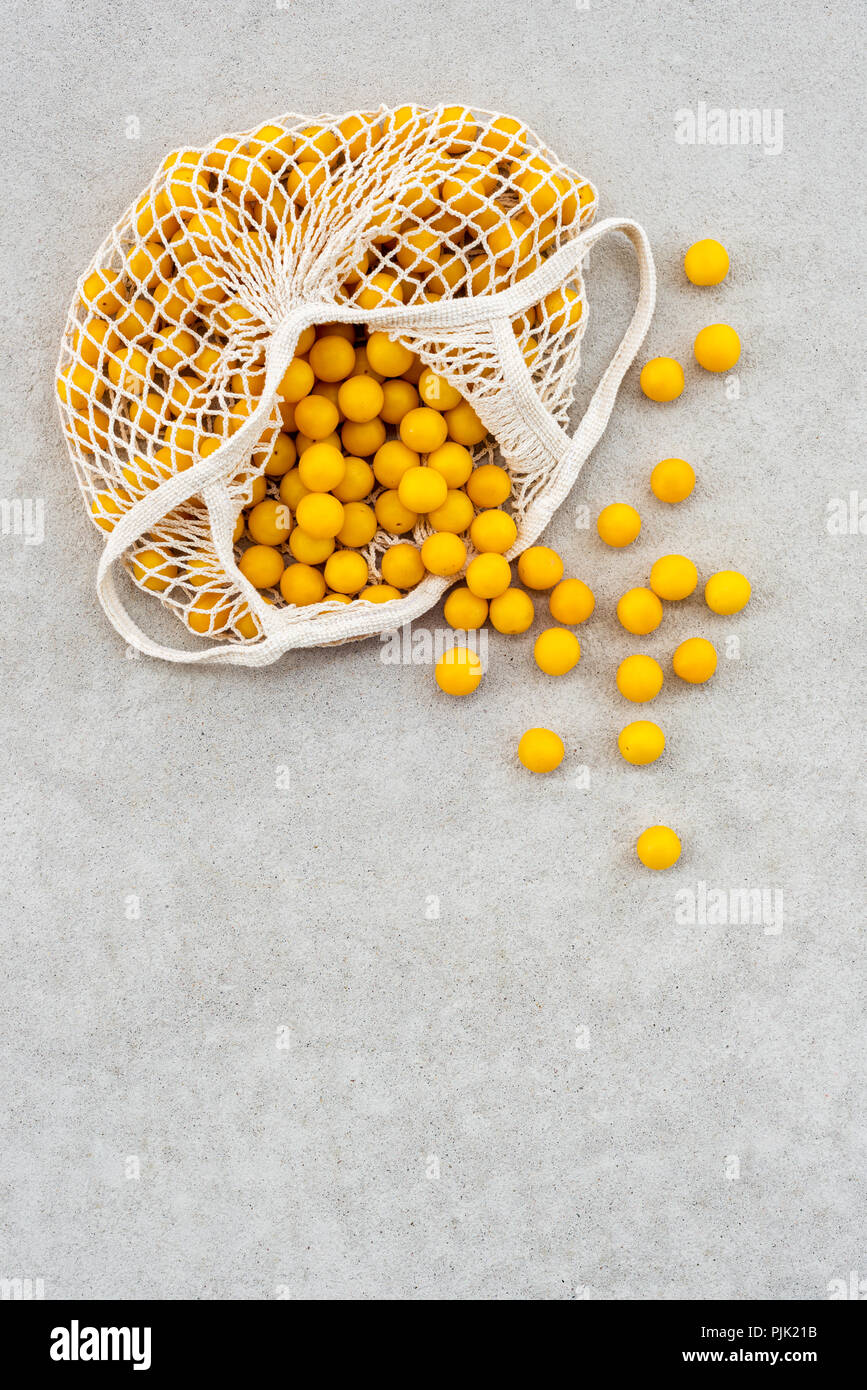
{"x": 298, "y": 915}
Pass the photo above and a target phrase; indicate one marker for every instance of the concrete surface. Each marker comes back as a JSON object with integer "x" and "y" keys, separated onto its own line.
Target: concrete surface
{"x": 243, "y": 1055}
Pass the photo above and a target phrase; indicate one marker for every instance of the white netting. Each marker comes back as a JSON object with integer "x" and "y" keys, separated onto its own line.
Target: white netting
{"x": 457, "y": 232}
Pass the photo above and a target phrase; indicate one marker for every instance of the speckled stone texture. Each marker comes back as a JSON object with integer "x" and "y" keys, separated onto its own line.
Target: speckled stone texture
{"x": 311, "y": 991}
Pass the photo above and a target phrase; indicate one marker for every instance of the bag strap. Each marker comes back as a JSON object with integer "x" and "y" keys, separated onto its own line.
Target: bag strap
{"x": 498, "y": 310}
{"x": 570, "y": 453}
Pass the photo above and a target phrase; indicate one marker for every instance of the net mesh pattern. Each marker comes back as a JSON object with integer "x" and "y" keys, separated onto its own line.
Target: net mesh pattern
{"x": 164, "y": 354}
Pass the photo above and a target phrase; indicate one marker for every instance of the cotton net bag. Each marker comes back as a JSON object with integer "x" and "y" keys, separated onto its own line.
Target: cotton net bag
{"x": 456, "y": 232}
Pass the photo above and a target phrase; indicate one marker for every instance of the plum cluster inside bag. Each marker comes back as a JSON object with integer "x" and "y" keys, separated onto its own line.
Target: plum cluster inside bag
{"x": 454, "y": 231}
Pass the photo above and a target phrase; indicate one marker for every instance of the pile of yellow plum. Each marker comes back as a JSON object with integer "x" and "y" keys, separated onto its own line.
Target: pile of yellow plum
{"x": 368, "y": 476}
{"x": 167, "y": 349}
{"x": 364, "y": 417}
{"x": 488, "y": 594}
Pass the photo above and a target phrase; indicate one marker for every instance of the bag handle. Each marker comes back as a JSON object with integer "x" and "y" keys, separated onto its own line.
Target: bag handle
{"x": 498, "y": 310}
{"x": 570, "y": 453}
{"x": 201, "y": 478}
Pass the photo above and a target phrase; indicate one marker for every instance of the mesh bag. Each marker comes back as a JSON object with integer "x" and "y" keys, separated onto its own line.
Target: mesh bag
{"x": 456, "y": 232}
